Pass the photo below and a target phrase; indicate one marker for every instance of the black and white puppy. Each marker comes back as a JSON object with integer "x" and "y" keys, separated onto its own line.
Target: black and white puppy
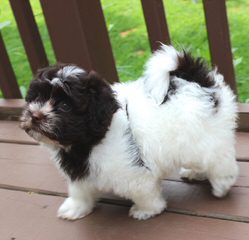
{"x": 126, "y": 137}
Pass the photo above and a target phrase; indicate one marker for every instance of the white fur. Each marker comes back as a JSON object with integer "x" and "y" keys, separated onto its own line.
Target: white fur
{"x": 65, "y": 72}
{"x": 157, "y": 72}
{"x": 183, "y": 132}
{"x": 56, "y": 81}
{"x": 44, "y": 108}
{"x": 79, "y": 204}
{"x": 70, "y": 71}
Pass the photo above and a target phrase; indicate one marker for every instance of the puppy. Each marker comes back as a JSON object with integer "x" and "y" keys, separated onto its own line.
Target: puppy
{"x": 126, "y": 137}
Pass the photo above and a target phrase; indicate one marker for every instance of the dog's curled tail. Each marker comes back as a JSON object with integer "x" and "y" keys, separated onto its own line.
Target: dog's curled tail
{"x": 166, "y": 62}
{"x": 157, "y": 72}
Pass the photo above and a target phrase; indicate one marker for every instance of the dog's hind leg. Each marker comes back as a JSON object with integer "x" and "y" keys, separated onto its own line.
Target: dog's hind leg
{"x": 223, "y": 175}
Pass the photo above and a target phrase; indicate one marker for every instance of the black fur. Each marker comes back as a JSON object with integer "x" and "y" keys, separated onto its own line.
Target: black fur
{"x": 133, "y": 148}
{"x": 84, "y": 106}
{"x": 214, "y": 99}
{"x": 126, "y": 110}
{"x": 75, "y": 161}
{"x": 193, "y": 70}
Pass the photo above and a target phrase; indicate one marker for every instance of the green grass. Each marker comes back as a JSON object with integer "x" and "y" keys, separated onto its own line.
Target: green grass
{"x": 129, "y": 39}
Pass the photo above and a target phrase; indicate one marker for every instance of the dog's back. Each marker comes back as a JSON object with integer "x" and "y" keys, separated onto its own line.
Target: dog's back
{"x": 182, "y": 115}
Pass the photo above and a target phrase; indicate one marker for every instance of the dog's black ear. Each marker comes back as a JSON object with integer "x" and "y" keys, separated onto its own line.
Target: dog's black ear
{"x": 99, "y": 88}
{"x": 101, "y": 102}
{"x": 96, "y": 84}
{"x": 94, "y": 76}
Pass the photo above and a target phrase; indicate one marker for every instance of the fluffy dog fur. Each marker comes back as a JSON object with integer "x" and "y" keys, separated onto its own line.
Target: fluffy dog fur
{"x": 125, "y": 138}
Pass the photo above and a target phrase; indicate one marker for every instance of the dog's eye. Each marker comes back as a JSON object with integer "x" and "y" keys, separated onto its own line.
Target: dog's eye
{"x": 64, "y": 107}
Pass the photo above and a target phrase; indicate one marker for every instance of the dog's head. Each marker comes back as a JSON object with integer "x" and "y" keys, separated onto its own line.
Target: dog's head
{"x": 67, "y": 105}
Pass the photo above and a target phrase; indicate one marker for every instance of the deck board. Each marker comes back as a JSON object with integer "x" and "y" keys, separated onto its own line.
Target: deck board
{"x": 11, "y": 132}
{"x": 33, "y": 217}
{"x": 242, "y": 146}
{"x": 29, "y": 166}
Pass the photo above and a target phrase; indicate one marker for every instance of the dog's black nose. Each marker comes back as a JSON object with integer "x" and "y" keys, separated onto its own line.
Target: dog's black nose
{"x": 37, "y": 116}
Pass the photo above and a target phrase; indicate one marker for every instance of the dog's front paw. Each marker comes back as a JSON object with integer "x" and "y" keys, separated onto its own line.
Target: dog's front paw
{"x": 72, "y": 209}
{"x": 140, "y": 214}
{"x": 143, "y": 214}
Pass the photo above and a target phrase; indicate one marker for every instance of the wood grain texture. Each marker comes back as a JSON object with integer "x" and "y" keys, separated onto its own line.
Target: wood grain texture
{"x": 32, "y": 216}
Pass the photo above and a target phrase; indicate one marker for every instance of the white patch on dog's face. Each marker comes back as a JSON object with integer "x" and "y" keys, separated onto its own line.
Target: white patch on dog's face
{"x": 55, "y": 81}
{"x": 66, "y": 72}
{"x": 34, "y": 106}
{"x": 70, "y": 71}
{"x": 37, "y": 107}
{"x": 46, "y": 108}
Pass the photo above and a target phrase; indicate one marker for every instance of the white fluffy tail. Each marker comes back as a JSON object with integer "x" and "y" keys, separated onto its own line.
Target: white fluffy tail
{"x": 157, "y": 72}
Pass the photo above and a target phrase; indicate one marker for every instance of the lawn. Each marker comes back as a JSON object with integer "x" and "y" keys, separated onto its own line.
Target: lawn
{"x": 129, "y": 38}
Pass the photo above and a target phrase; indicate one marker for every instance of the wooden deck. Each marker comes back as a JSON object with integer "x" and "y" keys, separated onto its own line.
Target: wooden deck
{"x": 31, "y": 190}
